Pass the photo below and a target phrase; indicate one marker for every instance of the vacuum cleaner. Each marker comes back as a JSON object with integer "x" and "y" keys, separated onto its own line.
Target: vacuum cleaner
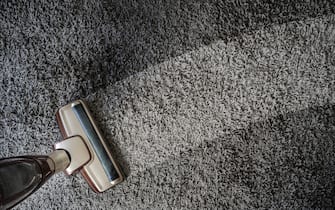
{"x": 83, "y": 149}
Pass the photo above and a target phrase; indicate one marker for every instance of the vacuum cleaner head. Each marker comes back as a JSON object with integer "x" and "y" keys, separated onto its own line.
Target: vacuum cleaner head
{"x": 83, "y": 150}
{"x": 95, "y": 163}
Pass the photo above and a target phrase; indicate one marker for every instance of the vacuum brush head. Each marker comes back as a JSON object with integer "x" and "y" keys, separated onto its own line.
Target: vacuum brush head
{"x": 83, "y": 150}
{"x": 86, "y": 147}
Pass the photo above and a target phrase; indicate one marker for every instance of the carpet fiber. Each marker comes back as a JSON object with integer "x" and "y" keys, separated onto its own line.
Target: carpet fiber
{"x": 205, "y": 104}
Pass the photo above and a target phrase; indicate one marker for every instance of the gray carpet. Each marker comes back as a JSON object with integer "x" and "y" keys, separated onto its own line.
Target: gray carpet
{"x": 206, "y": 104}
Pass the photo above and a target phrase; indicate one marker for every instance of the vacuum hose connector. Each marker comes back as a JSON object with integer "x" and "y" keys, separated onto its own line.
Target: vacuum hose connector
{"x": 59, "y": 160}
